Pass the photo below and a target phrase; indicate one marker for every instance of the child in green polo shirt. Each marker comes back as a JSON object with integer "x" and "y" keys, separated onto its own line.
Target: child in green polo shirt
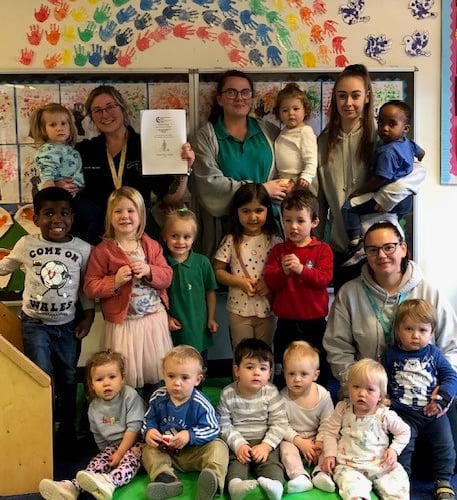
{"x": 192, "y": 291}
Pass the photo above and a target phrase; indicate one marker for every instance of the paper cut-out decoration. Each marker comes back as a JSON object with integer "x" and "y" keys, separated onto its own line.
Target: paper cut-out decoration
{"x": 416, "y": 43}
{"x": 377, "y": 46}
{"x": 420, "y": 9}
{"x": 351, "y": 13}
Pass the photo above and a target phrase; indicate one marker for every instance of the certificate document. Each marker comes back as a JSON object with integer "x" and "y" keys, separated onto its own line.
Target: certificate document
{"x": 163, "y": 133}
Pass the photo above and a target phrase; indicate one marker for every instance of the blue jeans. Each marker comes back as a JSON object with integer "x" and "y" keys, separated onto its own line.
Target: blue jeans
{"x": 54, "y": 348}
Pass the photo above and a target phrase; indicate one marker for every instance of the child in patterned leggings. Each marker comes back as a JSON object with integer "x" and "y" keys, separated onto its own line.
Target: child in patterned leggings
{"x": 115, "y": 414}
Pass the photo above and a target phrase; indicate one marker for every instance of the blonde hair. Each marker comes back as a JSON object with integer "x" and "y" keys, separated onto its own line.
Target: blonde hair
{"x": 301, "y": 349}
{"x": 418, "y": 311}
{"x": 38, "y": 123}
{"x": 183, "y": 214}
{"x": 135, "y": 197}
{"x": 371, "y": 370}
{"x": 99, "y": 359}
{"x": 182, "y": 353}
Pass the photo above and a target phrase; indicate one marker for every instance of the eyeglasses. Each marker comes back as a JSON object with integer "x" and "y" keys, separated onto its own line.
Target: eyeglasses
{"x": 387, "y": 249}
{"x": 109, "y": 108}
{"x": 233, "y": 93}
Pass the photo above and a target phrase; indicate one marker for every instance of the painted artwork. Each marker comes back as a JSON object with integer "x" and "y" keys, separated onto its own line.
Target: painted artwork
{"x": 449, "y": 93}
{"x": 73, "y": 96}
{"x": 9, "y": 178}
{"x": 7, "y": 115}
{"x": 169, "y": 95}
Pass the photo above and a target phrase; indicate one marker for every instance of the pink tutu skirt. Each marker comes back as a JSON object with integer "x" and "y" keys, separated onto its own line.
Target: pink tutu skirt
{"x": 143, "y": 342}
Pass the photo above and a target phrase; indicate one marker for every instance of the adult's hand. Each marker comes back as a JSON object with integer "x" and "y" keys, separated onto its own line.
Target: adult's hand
{"x": 188, "y": 154}
{"x": 68, "y": 184}
{"x": 277, "y": 189}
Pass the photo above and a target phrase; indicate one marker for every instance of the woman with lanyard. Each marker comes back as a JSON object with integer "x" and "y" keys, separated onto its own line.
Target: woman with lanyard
{"x": 232, "y": 149}
{"x": 113, "y": 159}
{"x": 361, "y": 318}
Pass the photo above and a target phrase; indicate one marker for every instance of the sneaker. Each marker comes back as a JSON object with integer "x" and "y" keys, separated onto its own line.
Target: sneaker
{"x": 164, "y": 486}
{"x": 443, "y": 490}
{"x": 98, "y": 485}
{"x": 58, "y": 490}
{"x": 355, "y": 258}
{"x": 207, "y": 485}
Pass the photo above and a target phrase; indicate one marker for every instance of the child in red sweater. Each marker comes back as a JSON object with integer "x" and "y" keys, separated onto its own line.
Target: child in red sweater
{"x": 298, "y": 273}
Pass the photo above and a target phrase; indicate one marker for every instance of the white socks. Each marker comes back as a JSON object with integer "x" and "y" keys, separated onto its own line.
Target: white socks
{"x": 299, "y": 484}
{"x": 324, "y": 482}
{"x": 238, "y": 488}
{"x": 272, "y": 487}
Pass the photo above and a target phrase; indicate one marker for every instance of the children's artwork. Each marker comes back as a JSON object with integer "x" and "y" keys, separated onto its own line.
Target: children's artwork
{"x": 264, "y": 100}
{"x": 449, "y": 93}
{"x": 7, "y": 115}
{"x": 135, "y": 95}
{"x": 313, "y": 92}
{"x": 6, "y": 221}
{"x": 169, "y": 96}
{"x": 31, "y": 97}
{"x": 207, "y": 94}
{"x": 9, "y": 178}
{"x": 73, "y": 96}
{"x": 24, "y": 217}
{"x": 30, "y": 174}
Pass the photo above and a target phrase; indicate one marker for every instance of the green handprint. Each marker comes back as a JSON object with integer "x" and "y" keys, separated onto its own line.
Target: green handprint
{"x": 258, "y": 7}
{"x": 294, "y": 59}
{"x": 87, "y": 34}
{"x": 80, "y": 58}
{"x": 102, "y": 14}
{"x": 283, "y": 36}
{"x": 118, "y": 3}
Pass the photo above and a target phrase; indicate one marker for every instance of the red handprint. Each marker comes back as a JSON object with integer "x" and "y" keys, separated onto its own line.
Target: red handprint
{"x": 330, "y": 27}
{"x": 316, "y": 34}
{"x": 53, "y": 35}
{"x": 34, "y": 35}
{"x": 160, "y": 34}
{"x": 26, "y": 57}
{"x": 143, "y": 42}
{"x": 125, "y": 60}
{"x": 337, "y": 44}
{"x": 226, "y": 40}
{"x": 341, "y": 61}
{"x": 42, "y": 14}
{"x": 54, "y": 2}
{"x": 205, "y": 34}
{"x": 52, "y": 61}
{"x": 235, "y": 55}
{"x": 183, "y": 31}
{"x": 319, "y": 7}
{"x": 61, "y": 11}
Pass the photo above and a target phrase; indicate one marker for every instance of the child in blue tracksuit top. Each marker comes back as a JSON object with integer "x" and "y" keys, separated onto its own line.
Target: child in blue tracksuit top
{"x": 181, "y": 430}
{"x": 422, "y": 384}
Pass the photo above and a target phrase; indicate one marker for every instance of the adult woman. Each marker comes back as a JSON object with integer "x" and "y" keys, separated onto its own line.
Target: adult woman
{"x": 113, "y": 158}
{"x": 345, "y": 152}
{"x": 231, "y": 149}
{"x": 361, "y": 317}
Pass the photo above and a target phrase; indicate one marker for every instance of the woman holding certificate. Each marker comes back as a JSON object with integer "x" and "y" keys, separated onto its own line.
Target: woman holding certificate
{"x": 113, "y": 158}
{"x": 231, "y": 149}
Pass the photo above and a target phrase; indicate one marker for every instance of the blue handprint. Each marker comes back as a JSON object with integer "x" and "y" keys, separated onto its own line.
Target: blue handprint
{"x": 163, "y": 22}
{"x": 274, "y": 55}
{"x": 188, "y": 15}
{"x": 110, "y": 56}
{"x": 143, "y": 21}
{"x": 169, "y": 12}
{"x": 226, "y": 7}
{"x": 95, "y": 57}
{"x": 262, "y": 34}
{"x": 126, "y": 15}
{"x": 210, "y": 18}
{"x": 124, "y": 38}
{"x": 171, "y": 2}
{"x": 231, "y": 25}
{"x": 247, "y": 40}
{"x": 107, "y": 32}
{"x": 256, "y": 57}
{"x": 246, "y": 19}
{"x": 148, "y": 4}
{"x": 203, "y": 3}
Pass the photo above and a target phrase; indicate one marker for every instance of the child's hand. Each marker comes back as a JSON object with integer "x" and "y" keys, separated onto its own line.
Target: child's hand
{"x": 303, "y": 183}
{"x": 379, "y": 209}
{"x": 328, "y": 465}
{"x": 291, "y": 263}
{"x": 262, "y": 289}
{"x": 115, "y": 459}
{"x": 433, "y": 408}
{"x": 140, "y": 269}
{"x": 260, "y": 452}
{"x": 389, "y": 459}
{"x": 307, "y": 448}
{"x": 179, "y": 440}
{"x": 123, "y": 276}
{"x": 153, "y": 438}
{"x": 213, "y": 326}
{"x": 243, "y": 454}
{"x": 174, "y": 324}
{"x": 247, "y": 286}
{"x": 83, "y": 327}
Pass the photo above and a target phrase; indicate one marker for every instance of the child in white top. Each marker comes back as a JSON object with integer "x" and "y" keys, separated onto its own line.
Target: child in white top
{"x": 130, "y": 275}
{"x": 308, "y": 405}
{"x": 240, "y": 260}
{"x": 296, "y": 145}
{"x": 115, "y": 414}
{"x": 363, "y": 438}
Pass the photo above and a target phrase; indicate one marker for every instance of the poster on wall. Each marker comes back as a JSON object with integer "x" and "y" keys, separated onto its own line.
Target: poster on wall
{"x": 449, "y": 93}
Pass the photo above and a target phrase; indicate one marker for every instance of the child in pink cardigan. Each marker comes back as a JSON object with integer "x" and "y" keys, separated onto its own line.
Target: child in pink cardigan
{"x": 128, "y": 272}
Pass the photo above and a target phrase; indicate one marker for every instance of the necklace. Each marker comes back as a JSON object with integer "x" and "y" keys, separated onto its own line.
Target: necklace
{"x": 129, "y": 251}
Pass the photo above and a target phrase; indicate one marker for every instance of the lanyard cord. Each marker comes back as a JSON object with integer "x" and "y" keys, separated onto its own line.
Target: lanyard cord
{"x": 385, "y": 325}
{"x": 117, "y": 175}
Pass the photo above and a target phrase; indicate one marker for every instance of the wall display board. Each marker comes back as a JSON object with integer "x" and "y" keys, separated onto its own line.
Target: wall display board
{"x": 185, "y": 89}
